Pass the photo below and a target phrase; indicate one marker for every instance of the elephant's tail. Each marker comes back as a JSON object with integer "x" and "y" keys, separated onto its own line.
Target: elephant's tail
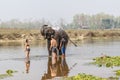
{"x": 72, "y": 42}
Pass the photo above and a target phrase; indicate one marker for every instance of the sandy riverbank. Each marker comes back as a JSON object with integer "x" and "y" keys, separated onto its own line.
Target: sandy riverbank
{"x": 18, "y": 35}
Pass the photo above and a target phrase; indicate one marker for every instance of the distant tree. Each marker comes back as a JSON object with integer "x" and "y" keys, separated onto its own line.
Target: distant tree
{"x": 107, "y": 23}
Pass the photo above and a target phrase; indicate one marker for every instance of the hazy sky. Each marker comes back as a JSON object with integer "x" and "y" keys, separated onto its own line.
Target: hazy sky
{"x": 53, "y": 10}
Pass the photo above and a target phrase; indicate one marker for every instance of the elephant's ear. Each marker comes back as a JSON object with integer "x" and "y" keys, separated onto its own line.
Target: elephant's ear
{"x": 42, "y": 29}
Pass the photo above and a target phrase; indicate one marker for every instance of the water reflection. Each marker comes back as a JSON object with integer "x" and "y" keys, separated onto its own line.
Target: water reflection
{"x": 27, "y": 65}
{"x": 57, "y": 67}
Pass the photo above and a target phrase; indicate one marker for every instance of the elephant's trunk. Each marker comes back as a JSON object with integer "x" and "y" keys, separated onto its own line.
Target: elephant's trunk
{"x": 42, "y": 30}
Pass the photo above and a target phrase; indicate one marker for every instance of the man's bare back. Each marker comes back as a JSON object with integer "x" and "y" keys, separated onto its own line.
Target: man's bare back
{"x": 53, "y": 43}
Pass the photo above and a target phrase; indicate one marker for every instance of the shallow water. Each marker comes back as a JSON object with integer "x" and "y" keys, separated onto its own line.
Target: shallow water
{"x": 77, "y": 60}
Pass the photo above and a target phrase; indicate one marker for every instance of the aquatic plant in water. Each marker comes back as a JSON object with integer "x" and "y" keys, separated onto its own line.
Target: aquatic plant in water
{"x": 9, "y": 73}
{"x": 83, "y": 76}
{"x": 107, "y": 61}
{"x": 117, "y": 72}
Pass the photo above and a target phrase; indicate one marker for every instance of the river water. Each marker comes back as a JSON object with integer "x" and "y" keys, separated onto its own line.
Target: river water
{"x": 12, "y": 56}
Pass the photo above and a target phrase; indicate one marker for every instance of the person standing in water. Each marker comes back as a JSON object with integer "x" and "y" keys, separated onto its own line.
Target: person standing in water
{"x": 53, "y": 46}
{"x": 63, "y": 46}
{"x": 27, "y": 48}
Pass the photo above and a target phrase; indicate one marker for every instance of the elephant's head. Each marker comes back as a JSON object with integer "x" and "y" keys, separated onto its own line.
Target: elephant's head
{"x": 47, "y": 31}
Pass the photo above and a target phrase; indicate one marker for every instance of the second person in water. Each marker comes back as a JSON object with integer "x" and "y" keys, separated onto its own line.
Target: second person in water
{"x": 63, "y": 46}
{"x": 53, "y": 46}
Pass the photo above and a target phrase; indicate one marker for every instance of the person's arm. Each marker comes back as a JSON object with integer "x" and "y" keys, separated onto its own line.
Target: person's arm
{"x": 25, "y": 46}
{"x": 51, "y": 44}
{"x": 60, "y": 45}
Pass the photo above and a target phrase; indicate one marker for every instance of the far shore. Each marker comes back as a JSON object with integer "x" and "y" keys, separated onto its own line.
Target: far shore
{"x": 19, "y": 35}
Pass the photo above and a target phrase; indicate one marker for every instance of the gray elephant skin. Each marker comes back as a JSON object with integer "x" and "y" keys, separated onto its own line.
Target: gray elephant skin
{"x": 46, "y": 32}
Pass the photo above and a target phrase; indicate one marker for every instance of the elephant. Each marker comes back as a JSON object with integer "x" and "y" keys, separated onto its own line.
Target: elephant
{"x": 46, "y": 32}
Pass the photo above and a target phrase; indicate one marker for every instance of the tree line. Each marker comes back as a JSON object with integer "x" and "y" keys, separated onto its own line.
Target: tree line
{"x": 98, "y": 21}
{"x": 80, "y": 21}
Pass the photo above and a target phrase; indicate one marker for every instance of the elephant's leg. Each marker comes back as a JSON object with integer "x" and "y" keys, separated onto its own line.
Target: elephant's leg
{"x": 58, "y": 41}
{"x": 60, "y": 53}
{"x": 48, "y": 46}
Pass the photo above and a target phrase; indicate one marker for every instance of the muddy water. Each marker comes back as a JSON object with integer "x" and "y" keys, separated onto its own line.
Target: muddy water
{"x": 40, "y": 67}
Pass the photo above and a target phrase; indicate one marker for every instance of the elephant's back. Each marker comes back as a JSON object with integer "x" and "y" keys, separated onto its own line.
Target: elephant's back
{"x": 63, "y": 33}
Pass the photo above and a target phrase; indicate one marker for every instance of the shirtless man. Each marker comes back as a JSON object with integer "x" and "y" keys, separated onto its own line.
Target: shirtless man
{"x": 53, "y": 46}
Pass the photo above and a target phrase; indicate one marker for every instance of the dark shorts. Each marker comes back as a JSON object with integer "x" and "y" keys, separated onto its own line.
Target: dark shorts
{"x": 63, "y": 50}
{"x": 54, "y": 49}
{"x": 28, "y": 49}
